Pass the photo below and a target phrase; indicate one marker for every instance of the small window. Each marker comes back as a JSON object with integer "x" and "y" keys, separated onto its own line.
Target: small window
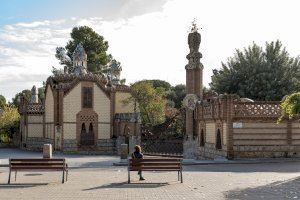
{"x": 218, "y": 140}
{"x": 91, "y": 128}
{"x": 202, "y": 138}
{"x": 87, "y": 97}
{"x": 83, "y": 130}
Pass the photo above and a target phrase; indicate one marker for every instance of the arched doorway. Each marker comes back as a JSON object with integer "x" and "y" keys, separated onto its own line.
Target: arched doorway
{"x": 218, "y": 140}
{"x": 87, "y": 138}
{"x": 202, "y": 138}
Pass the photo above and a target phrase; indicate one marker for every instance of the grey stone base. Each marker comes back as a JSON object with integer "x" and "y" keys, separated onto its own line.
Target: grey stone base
{"x": 276, "y": 151}
{"x": 209, "y": 151}
{"x": 191, "y": 148}
{"x": 70, "y": 145}
{"x": 102, "y": 147}
{"x": 36, "y": 144}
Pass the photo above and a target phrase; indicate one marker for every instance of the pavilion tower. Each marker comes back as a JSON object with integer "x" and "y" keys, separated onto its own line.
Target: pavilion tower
{"x": 194, "y": 79}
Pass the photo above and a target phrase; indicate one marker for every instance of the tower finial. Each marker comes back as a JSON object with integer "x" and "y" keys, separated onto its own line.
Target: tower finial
{"x": 194, "y": 26}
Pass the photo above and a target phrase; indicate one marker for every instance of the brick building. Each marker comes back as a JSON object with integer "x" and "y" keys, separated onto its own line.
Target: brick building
{"x": 81, "y": 112}
{"x": 227, "y": 126}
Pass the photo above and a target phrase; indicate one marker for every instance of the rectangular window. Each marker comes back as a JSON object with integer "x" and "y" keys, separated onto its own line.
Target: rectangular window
{"x": 87, "y": 97}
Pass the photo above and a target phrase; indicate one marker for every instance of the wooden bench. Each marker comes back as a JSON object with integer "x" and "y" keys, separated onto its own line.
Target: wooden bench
{"x": 38, "y": 164}
{"x": 155, "y": 164}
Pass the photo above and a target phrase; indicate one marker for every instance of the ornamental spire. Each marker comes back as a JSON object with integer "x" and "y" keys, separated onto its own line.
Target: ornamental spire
{"x": 194, "y": 40}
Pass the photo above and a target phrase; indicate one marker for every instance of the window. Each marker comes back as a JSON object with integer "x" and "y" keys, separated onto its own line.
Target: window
{"x": 218, "y": 140}
{"x": 91, "y": 128}
{"x": 87, "y": 97}
{"x": 83, "y": 130}
{"x": 202, "y": 138}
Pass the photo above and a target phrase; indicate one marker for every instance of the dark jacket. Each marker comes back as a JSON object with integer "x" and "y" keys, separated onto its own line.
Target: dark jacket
{"x": 137, "y": 155}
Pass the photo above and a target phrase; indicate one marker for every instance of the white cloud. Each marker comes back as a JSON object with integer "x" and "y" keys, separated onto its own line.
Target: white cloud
{"x": 152, "y": 45}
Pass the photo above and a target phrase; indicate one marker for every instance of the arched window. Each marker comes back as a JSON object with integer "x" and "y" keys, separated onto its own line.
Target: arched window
{"x": 83, "y": 130}
{"x": 91, "y": 128}
{"x": 202, "y": 141}
{"x": 218, "y": 140}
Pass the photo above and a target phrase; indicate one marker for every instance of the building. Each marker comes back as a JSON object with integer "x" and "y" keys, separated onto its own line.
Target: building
{"x": 227, "y": 126}
{"x": 81, "y": 112}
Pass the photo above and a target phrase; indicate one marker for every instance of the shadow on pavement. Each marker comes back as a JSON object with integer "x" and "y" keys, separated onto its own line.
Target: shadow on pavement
{"x": 129, "y": 185}
{"x": 289, "y": 167}
{"x": 288, "y": 189}
{"x": 20, "y": 185}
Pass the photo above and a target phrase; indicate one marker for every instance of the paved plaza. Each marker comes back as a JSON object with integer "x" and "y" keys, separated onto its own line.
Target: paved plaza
{"x": 101, "y": 180}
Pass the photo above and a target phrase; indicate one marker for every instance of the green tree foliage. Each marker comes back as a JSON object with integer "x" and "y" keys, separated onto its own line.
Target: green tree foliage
{"x": 177, "y": 94}
{"x": 290, "y": 106}
{"x": 151, "y": 102}
{"x": 95, "y": 47}
{"x": 26, "y": 93}
{"x": 259, "y": 74}
{"x": 2, "y": 101}
{"x": 9, "y": 121}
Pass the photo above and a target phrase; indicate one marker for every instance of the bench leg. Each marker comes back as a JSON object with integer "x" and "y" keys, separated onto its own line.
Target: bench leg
{"x": 63, "y": 177}
{"x": 128, "y": 176}
{"x": 67, "y": 172}
{"x": 15, "y": 175}
{"x": 9, "y": 176}
{"x": 178, "y": 175}
{"x": 181, "y": 176}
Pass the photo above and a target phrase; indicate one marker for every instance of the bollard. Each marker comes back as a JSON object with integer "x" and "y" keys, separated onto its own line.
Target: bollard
{"x": 124, "y": 151}
{"x": 47, "y": 151}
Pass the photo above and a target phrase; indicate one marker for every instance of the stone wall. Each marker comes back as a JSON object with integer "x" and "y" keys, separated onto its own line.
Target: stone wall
{"x": 253, "y": 139}
{"x": 107, "y": 146}
{"x": 209, "y": 151}
{"x": 190, "y": 148}
{"x": 35, "y": 126}
{"x": 36, "y": 143}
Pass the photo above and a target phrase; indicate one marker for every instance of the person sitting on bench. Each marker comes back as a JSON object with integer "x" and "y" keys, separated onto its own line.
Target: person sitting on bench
{"x": 137, "y": 154}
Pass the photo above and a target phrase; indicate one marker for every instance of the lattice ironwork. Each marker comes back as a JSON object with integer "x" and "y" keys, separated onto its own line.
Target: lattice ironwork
{"x": 36, "y": 108}
{"x": 163, "y": 147}
{"x": 257, "y": 109}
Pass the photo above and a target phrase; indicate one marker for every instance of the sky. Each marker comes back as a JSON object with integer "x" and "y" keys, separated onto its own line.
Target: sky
{"x": 148, "y": 37}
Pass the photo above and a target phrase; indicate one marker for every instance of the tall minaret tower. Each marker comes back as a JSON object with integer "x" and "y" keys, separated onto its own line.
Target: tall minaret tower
{"x": 194, "y": 84}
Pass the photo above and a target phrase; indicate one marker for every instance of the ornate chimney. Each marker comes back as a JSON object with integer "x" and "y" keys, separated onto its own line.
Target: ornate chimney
{"x": 34, "y": 95}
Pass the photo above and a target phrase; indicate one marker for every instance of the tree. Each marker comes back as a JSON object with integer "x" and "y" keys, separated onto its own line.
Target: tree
{"x": 26, "y": 93}
{"x": 95, "y": 47}
{"x": 9, "y": 121}
{"x": 177, "y": 95}
{"x": 290, "y": 106}
{"x": 2, "y": 101}
{"x": 258, "y": 74}
{"x": 151, "y": 102}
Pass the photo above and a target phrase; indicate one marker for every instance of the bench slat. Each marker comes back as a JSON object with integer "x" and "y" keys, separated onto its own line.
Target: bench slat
{"x": 153, "y": 168}
{"x": 36, "y": 167}
{"x": 155, "y": 160}
{"x": 37, "y": 163}
{"x": 37, "y": 159}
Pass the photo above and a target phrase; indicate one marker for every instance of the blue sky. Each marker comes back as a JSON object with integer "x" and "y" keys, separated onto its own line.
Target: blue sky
{"x": 148, "y": 37}
{"x": 13, "y": 11}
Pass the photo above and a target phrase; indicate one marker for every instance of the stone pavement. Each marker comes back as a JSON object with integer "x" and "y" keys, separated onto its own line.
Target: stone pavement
{"x": 104, "y": 181}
